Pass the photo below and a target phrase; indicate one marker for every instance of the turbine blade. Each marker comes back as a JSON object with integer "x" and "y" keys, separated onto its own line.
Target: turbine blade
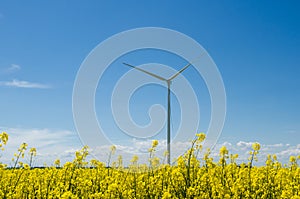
{"x": 171, "y": 78}
{"x": 149, "y": 73}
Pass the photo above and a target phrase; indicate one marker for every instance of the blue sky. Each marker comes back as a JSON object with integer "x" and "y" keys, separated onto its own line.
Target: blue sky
{"x": 255, "y": 45}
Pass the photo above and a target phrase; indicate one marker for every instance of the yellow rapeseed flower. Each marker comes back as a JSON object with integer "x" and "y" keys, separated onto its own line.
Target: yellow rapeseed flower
{"x": 200, "y": 137}
{"x": 256, "y": 146}
{"x": 154, "y": 143}
{"x": 113, "y": 149}
{"x": 32, "y": 151}
{"x": 134, "y": 159}
{"x": 4, "y": 137}
{"x": 223, "y": 151}
{"x": 189, "y": 177}
{"x": 293, "y": 159}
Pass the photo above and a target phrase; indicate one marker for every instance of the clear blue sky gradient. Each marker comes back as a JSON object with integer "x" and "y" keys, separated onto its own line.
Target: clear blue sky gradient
{"x": 255, "y": 45}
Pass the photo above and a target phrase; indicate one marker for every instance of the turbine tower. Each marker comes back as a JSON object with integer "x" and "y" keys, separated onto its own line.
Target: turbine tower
{"x": 168, "y": 81}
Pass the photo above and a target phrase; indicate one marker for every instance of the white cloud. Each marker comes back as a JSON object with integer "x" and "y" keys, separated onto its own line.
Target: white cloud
{"x": 140, "y": 148}
{"x": 275, "y": 145}
{"x": 227, "y": 144}
{"x": 50, "y": 144}
{"x": 242, "y": 148}
{"x": 244, "y": 145}
{"x": 62, "y": 144}
{"x": 18, "y": 83}
{"x": 292, "y": 150}
{"x": 24, "y": 84}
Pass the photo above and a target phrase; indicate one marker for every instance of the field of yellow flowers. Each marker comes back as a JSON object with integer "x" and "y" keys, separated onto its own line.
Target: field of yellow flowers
{"x": 190, "y": 177}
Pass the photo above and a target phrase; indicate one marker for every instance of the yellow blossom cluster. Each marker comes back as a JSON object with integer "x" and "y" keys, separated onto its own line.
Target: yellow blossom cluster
{"x": 189, "y": 177}
{"x": 3, "y": 139}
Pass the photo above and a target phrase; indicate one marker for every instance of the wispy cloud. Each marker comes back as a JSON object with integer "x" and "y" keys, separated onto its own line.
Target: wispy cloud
{"x": 18, "y": 83}
{"x": 242, "y": 148}
{"x": 10, "y": 69}
{"x": 293, "y": 150}
{"x": 50, "y": 144}
{"x": 24, "y": 84}
{"x": 244, "y": 145}
{"x": 14, "y": 68}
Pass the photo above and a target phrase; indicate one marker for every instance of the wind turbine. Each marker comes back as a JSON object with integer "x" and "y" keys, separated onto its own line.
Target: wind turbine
{"x": 168, "y": 81}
